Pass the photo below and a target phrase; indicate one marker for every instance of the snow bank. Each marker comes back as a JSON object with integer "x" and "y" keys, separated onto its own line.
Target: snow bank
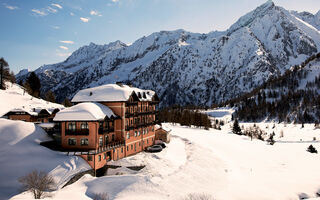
{"x": 21, "y": 153}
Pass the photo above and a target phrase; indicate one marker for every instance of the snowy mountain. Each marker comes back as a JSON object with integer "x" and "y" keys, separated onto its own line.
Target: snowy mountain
{"x": 192, "y": 68}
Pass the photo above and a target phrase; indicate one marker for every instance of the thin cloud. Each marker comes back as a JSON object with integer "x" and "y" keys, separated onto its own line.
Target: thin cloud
{"x": 114, "y": 1}
{"x": 55, "y": 27}
{"x": 39, "y": 12}
{"x": 95, "y": 12}
{"x": 63, "y": 47}
{"x": 57, "y": 5}
{"x": 66, "y": 41}
{"x": 84, "y": 19}
{"x": 11, "y": 7}
{"x": 52, "y": 10}
{"x": 72, "y": 14}
{"x": 63, "y": 54}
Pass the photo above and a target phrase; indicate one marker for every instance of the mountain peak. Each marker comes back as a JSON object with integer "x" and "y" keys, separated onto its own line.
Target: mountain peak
{"x": 251, "y": 16}
{"x": 317, "y": 15}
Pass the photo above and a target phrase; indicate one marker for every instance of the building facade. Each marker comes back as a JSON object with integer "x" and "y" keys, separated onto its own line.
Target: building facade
{"x": 126, "y": 130}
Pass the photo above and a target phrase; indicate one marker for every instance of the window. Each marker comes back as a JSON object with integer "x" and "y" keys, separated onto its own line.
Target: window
{"x": 72, "y": 141}
{"x": 135, "y": 134}
{"x": 152, "y": 128}
{"x": 143, "y": 131}
{"x": 112, "y": 137}
{"x": 121, "y": 150}
{"x": 104, "y": 156}
{"x": 139, "y": 144}
{"x": 72, "y": 126}
{"x": 147, "y": 141}
{"x": 100, "y": 141}
{"x": 127, "y": 148}
{"x": 84, "y": 125}
{"x": 128, "y": 135}
{"x": 99, "y": 157}
{"x": 89, "y": 158}
{"x": 131, "y": 146}
{"x": 84, "y": 142}
{"x": 106, "y": 140}
{"x": 138, "y": 133}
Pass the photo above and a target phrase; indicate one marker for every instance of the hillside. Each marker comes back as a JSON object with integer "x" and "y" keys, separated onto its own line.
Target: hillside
{"x": 15, "y": 97}
{"x": 294, "y": 96}
{"x": 192, "y": 68}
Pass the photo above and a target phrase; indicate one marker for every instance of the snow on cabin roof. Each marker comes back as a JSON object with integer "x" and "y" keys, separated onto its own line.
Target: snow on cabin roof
{"x": 34, "y": 111}
{"x": 84, "y": 112}
{"x": 112, "y": 92}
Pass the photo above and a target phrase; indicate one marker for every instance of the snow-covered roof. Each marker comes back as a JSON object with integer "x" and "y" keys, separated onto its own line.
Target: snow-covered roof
{"x": 157, "y": 126}
{"x": 112, "y": 92}
{"x": 84, "y": 112}
{"x": 34, "y": 111}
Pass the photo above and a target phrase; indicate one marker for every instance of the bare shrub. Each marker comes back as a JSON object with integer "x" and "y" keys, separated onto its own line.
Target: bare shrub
{"x": 37, "y": 182}
{"x": 196, "y": 196}
{"x": 255, "y": 132}
{"x": 101, "y": 196}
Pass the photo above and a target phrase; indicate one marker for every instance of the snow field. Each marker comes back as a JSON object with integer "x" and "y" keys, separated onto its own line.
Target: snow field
{"x": 21, "y": 153}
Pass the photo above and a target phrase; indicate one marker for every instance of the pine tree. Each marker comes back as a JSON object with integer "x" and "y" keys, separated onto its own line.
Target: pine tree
{"x": 67, "y": 102}
{"x": 50, "y": 96}
{"x": 33, "y": 84}
{"x": 4, "y": 69}
{"x": 236, "y": 128}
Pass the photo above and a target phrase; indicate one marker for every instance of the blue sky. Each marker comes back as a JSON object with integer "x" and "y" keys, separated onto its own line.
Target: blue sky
{"x": 37, "y": 32}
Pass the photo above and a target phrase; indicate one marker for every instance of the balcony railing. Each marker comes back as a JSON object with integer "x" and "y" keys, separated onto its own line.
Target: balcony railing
{"x": 110, "y": 146}
{"x": 139, "y": 125}
{"x": 77, "y": 132}
{"x": 106, "y": 130}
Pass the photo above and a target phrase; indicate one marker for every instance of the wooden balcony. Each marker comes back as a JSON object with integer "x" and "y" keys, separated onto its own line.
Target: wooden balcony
{"x": 77, "y": 132}
{"x": 106, "y": 130}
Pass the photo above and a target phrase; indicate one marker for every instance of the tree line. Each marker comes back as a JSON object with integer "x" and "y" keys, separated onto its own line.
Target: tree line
{"x": 185, "y": 116}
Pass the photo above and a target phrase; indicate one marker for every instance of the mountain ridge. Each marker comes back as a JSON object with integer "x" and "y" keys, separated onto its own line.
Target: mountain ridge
{"x": 192, "y": 68}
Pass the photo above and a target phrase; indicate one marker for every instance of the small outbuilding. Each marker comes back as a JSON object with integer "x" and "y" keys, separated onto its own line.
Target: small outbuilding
{"x": 162, "y": 134}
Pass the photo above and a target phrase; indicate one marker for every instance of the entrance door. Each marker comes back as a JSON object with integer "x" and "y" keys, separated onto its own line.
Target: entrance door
{"x": 117, "y": 154}
{"x": 106, "y": 140}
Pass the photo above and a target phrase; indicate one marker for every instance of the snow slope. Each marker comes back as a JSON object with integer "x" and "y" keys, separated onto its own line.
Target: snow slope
{"x": 21, "y": 153}
{"x": 192, "y": 68}
{"x": 14, "y": 97}
{"x": 218, "y": 163}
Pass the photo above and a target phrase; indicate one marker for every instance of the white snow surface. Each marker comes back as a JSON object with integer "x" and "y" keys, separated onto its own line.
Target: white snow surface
{"x": 111, "y": 92}
{"x": 21, "y": 153}
{"x": 90, "y": 111}
{"x": 214, "y": 162}
{"x": 15, "y": 98}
